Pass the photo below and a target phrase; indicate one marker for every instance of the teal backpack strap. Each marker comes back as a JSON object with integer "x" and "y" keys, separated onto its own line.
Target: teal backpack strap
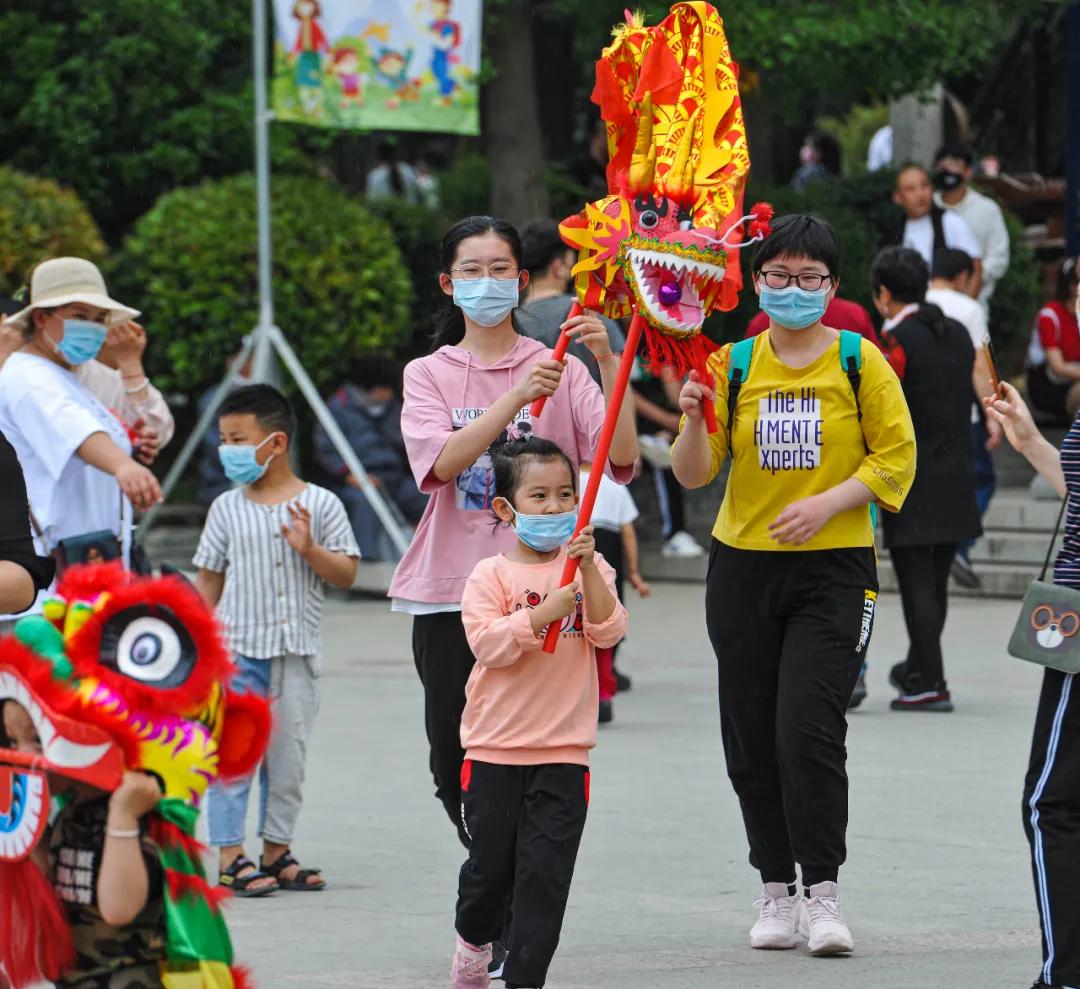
{"x": 851, "y": 362}
{"x": 738, "y": 371}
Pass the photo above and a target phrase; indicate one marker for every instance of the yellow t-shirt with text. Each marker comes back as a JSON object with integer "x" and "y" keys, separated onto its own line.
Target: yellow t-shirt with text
{"x": 797, "y": 434}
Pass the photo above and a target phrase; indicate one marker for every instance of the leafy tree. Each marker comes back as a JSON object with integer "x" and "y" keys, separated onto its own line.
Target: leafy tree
{"x": 40, "y": 219}
{"x": 342, "y": 288}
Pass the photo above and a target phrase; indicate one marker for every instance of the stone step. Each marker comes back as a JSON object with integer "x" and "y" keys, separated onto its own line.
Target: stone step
{"x": 1025, "y": 547}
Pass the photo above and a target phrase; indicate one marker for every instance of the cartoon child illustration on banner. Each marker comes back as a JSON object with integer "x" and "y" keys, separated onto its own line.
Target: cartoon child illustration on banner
{"x": 310, "y": 45}
{"x": 447, "y": 40}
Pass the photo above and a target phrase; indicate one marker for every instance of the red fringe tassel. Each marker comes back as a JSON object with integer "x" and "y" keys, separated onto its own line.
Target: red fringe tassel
{"x": 242, "y": 977}
{"x": 182, "y": 884}
{"x": 168, "y": 836}
{"x": 681, "y": 354}
{"x": 35, "y": 940}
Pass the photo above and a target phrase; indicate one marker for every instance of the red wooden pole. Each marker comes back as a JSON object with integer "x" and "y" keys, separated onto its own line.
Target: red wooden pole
{"x": 557, "y": 355}
{"x": 600, "y": 458}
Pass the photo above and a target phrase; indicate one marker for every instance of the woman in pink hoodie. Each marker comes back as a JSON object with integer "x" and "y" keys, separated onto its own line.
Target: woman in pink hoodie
{"x": 466, "y": 398}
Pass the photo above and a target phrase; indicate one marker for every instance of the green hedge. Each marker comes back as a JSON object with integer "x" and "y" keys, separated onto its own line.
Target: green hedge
{"x": 341, "y": 285}
{"x": 860, "y": 207}
{"x": 40, "y": 219}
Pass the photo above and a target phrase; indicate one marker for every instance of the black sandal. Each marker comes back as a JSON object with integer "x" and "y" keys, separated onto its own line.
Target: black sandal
{"x": 300, "y": 882}
{"x": 231, "y": 879}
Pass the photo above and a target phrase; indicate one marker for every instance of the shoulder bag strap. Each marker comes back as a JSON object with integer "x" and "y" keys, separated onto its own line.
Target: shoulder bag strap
{"x": 1053, "y": 538}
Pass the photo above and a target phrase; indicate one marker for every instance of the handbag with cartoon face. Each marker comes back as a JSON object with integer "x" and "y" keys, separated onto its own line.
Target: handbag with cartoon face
{"x": 1046, "y": 631}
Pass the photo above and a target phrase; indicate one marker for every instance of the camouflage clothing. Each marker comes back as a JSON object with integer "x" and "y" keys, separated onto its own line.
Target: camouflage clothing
{"x": 107, "y": 957}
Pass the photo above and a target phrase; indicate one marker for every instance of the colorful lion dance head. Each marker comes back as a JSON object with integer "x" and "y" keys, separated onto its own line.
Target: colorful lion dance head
{"x": 122, "y": 673}
{"x": 664, "y": 241}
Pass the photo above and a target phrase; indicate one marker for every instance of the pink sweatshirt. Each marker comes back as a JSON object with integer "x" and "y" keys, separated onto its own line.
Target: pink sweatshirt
{"x": 446, "y": 391}
{"x": 524, "y": 707}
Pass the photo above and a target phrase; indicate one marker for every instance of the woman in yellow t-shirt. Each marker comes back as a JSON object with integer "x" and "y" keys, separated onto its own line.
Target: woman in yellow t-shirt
{"x": 792, "y": 581}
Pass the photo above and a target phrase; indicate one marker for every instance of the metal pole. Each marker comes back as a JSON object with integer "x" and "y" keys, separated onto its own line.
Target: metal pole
{"x": 262, "y": 171}
{"x": 337, "y": 437}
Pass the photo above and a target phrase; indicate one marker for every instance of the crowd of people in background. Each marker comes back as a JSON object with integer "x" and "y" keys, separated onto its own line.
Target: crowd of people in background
{"x": 914, "y": 413}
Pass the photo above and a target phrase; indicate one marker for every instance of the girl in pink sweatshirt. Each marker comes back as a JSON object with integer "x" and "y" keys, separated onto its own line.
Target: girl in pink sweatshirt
{"x": 530, "y": 717}
{"x": 462, "y": 402}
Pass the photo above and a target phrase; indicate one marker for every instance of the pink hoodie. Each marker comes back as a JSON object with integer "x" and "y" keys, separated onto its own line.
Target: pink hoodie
{"x": 446, "y": 391}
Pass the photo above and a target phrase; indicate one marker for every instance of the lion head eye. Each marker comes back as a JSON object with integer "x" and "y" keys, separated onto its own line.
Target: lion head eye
{"x": 150, "y": 644}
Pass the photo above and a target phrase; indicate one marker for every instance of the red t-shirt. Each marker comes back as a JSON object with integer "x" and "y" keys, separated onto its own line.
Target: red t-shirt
{"x": 842, "y": 314}
{"x": 1057, "y": 328}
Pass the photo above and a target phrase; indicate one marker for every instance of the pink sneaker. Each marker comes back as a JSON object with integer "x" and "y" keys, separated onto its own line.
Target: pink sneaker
{"x": 469, "y": 969}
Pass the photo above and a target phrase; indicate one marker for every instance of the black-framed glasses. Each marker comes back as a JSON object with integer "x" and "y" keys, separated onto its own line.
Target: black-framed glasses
{"x": 809, "y": 281}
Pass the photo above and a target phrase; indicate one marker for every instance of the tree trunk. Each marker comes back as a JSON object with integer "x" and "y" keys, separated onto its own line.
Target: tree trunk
{"x": 512, "y": 137}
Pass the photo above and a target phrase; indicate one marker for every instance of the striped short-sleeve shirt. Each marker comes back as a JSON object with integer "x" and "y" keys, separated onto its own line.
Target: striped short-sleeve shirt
{"x": 272, "y": 601}
{"x": 1067, "y": 566}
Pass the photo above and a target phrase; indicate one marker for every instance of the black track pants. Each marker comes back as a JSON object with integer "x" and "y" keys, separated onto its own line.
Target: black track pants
{"x": 1052, "y": 821}
{"x": 444, "y": 662}
{"x": 790, "y": 631}
{"x": 525, "y": 824}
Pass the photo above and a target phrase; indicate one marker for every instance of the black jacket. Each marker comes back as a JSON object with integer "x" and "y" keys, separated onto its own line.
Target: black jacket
{"x": 934, "y": 357}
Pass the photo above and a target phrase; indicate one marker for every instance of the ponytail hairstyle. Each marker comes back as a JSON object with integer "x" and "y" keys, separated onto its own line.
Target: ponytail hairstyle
{"x": 449, "y": 321}
{"x": 510, "y": 457}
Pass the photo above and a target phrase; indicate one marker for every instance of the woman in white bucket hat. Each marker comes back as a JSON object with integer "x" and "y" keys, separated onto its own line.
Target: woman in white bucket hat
{"x": 116, "y": 378}
{"x": 76, "y": 454}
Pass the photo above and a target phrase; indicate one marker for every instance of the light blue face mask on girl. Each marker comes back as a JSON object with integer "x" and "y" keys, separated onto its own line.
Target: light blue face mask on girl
{"x": 81, "y": 342}
{"x": 239, "y": 462}
{"x": 486, "y": 301}
{"x": 544, "y": 533}
{"x": 793, "y": 308}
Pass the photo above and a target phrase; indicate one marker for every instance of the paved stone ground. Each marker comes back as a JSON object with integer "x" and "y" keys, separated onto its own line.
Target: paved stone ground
{"x": 937, "y": 889}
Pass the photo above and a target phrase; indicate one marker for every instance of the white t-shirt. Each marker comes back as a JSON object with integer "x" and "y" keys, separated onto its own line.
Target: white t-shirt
{"x": 614, "y": 505}
{"x": 964, "y": 309}
{"x": 47, "y": 415}
{"x": 987, "y": 223}
{"x": 919, "y": 235}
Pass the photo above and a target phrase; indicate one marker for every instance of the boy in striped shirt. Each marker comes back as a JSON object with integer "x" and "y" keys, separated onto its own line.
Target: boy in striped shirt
{"x": 268, "y": 548}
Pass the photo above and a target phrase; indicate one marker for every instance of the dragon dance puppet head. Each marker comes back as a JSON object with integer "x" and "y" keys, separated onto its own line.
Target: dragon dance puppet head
{"x": 665, "y": 239}
{"x": 123, "y": 673}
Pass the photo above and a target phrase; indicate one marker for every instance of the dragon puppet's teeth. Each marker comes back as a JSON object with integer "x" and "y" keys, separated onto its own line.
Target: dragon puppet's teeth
{"x": 65, "y": 754}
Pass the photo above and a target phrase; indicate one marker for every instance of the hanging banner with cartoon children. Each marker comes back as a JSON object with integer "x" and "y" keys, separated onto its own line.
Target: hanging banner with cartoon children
{"x": 378, "y": 64}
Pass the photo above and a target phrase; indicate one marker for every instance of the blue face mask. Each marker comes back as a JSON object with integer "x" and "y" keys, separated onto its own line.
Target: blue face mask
{"x": 239, "y": 462}
{"x": 544, "y": 533}
{"x": 81, "y": 342}
{"x": 486, "y": 301}
{"x": 792, "y": 307}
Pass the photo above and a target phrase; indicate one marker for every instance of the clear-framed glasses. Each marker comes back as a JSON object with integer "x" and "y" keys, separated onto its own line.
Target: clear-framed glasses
{"x": 497, "y": 269}
{"x": 808, "y": 281}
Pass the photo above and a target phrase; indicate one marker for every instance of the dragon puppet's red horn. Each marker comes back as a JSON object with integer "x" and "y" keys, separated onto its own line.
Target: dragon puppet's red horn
{"x": 643, "y": 162}
{"x": 679, "y": 182}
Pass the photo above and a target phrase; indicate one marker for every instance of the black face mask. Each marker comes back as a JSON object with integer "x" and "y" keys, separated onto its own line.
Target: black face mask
{"x": 947, "y": 181}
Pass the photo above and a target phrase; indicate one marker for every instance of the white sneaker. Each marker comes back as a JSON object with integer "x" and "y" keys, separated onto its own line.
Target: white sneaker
{"x": 778, "y": 919}
{"x": 683, "y": 546}
{"x": 822, "y": 924}
{"x": 655, "y": 449}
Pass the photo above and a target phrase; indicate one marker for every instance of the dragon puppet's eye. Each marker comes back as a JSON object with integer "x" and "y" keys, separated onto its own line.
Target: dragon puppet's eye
{"x": 686, "y": 218}
{"x": 648, "y": 219}
{"x": 150, "y": 644}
